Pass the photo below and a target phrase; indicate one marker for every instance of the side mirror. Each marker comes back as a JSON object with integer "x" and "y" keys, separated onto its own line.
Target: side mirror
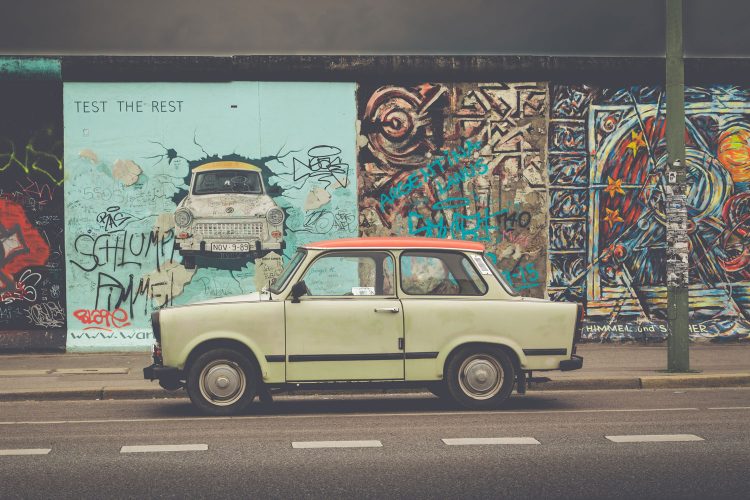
{"x": 298, "y": 290}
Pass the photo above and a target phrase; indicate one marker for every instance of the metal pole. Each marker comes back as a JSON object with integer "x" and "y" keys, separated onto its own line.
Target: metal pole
{"x": 678, "y": 308}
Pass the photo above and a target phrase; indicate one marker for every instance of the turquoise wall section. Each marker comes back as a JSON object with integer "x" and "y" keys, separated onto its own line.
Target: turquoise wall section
{"x": 129, "y": 151}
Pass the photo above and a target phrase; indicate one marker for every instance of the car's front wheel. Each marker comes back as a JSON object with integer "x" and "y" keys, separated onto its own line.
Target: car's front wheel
{"x": 480, "y": 378}
{"x": 222, "y": 382}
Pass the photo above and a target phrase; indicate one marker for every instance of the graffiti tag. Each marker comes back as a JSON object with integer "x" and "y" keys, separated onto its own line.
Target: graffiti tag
{"x": 323, "y": 163}
{"x": 102, "y": 318}
{"x": 523, "y": 278}
{"x": 436, "y": 166}
{"x": 121, "y": 249}
{"x": 46, "y": 314}
{"x": 112, "y": 218}
{"x": 25, "y": 288}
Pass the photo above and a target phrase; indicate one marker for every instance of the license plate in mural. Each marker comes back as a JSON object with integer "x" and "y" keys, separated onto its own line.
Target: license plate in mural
{"x": 230, "y": 247}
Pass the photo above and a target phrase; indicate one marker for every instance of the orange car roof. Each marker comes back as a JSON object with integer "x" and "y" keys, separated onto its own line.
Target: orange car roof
{"x": 397, "y": 242}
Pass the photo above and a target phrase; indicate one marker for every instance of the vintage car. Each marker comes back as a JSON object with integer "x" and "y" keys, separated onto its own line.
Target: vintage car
{"x": 367, "y": 311}
{"x": 227, "y": 213}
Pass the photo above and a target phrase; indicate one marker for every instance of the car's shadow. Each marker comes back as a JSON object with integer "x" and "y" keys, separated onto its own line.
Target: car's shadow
{"x": 311, "y": 404}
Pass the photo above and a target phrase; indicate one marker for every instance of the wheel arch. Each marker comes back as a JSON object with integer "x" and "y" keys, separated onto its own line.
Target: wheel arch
{"x": 513, "y": 353}
{"x": 206, "y": 345}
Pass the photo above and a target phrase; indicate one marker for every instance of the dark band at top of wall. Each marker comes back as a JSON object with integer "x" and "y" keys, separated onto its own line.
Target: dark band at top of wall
{"x": 401, "y": 69}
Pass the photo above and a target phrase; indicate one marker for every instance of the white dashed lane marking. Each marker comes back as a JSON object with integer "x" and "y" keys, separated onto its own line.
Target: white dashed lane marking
{"x": 336, "y": 444}
{"x": 653, "y": 438}
{"x": 25, "y": 451}
{"x": 501, "y": 413}
{"x": 163, "y": 447}
{"x": 502, "y": 440}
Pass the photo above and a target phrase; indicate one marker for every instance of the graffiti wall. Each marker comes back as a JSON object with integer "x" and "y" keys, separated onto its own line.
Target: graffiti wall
{"x": 177, "y": 193}
{"x": 173, "y": 193}
{"x": 607, "y": 239}
{"x": 32, "y": 261}
{"x": 460, "y": 161}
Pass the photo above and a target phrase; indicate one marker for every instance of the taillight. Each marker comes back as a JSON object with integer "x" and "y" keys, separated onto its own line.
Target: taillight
{"x": 156, "y": 353}
{"x": 276, "y": 234}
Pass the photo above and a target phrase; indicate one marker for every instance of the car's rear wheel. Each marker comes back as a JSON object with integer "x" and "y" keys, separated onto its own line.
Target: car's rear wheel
{"x": 222, "y": 382}
{"x": 480, "y": 378}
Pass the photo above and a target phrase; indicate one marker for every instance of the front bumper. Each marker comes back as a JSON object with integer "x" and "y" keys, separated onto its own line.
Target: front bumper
{"x": 168, "y": 377}
{"x": 574, "y": 363}
{"x": 200, "y": 248}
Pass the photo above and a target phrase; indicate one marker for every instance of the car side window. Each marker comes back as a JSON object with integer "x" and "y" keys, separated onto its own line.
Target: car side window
{"x": 343, "y": 274}
{"x": 439, "y": 273}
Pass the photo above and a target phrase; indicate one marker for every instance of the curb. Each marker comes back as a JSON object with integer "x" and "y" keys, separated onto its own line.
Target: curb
{"x": 676, "y": 381}
{"x": 588, "y": 384}
{"x": 686, "y": 381}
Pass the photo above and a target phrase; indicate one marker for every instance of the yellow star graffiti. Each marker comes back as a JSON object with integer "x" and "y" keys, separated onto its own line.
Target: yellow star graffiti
{"x": 614, "y": 186}
{"x": 636, "y": 142}
{"x": 612, "y": 216}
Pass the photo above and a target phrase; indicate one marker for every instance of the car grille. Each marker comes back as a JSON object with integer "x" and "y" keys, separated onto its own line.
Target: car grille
{"x": 227, "y": 229}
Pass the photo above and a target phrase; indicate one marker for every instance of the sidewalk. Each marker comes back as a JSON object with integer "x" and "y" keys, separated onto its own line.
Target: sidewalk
{"x": 120, "y": 376}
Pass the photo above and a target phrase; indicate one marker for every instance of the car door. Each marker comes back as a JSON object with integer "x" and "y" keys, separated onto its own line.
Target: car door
{"x": 349, "y": 325}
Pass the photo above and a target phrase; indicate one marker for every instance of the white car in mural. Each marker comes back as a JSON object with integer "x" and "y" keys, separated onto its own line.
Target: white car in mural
{"x": 228, "y": 214}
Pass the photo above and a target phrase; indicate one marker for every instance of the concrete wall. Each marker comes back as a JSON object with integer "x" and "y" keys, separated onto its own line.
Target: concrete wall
{"x": 561, "y": 179}
{"x": 32, "y": 255}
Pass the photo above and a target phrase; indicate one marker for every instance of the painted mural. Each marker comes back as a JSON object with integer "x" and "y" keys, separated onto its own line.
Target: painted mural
{"x": 459, "y": 161}
{"x": 177, "y": 193}
{"x": 174, "y": 193}
{"x": 32, "y": 262}
{"x": 607, "y": 237}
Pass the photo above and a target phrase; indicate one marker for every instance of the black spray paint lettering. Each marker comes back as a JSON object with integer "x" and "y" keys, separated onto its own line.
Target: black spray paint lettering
{"x": 127, "y": 334}
{"x": 112, "y": 218}
{"x": 119, "y": 248}
{"x": 111, "y": 293}
{"x": 324, "y": 164}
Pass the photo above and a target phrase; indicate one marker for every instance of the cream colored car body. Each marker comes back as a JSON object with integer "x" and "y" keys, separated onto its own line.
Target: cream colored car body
{"x": 332, "y": 339}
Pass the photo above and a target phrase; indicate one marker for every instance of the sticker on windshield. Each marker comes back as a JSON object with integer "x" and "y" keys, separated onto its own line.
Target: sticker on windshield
{"x": 481, "y": 264}
{"x": 363, "y": 290}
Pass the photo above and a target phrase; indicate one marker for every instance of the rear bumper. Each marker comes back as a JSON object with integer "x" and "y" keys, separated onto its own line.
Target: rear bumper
{"x": 574, "y": 363}
{"x": 167, "y": 376}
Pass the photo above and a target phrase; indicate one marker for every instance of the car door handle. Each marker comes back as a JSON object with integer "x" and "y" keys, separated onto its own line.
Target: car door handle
{"x": 393, "y": 310}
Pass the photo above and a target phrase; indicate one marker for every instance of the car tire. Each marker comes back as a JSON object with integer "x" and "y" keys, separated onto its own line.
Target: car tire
{"x": 222, "y": 382}
{"x": 188, "y": 262}
{"x": 480, "y": 378}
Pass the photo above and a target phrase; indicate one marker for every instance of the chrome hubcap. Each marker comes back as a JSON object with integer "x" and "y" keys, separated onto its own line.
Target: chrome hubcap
{"x": 480, "y": 376}
{"x": 222, "y": 382}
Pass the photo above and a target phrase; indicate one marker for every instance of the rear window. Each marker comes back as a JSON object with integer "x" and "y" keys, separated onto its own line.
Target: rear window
{"x": 439, "y": 273}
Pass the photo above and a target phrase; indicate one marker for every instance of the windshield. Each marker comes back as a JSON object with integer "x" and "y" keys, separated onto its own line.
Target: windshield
{"x": 508, "y": 287}
{"x": 280, "y": 283}
{"x": 227, "y": 181}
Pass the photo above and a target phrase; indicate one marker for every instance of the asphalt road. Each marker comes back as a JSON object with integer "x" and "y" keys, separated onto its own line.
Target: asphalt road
{"x": 545, "y": 445}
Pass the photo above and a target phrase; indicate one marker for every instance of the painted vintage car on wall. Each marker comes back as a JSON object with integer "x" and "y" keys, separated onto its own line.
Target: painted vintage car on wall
{"x": 227, "y": 213}
{"x": 387, "y": 311}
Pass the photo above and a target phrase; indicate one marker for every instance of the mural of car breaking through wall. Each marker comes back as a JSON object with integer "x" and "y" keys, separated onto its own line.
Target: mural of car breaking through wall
{"x": 172, "y": 193}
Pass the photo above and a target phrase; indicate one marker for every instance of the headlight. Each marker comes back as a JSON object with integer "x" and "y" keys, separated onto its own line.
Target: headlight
{"x": 275, "y": 216}
{"x": 183, "y": 217}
